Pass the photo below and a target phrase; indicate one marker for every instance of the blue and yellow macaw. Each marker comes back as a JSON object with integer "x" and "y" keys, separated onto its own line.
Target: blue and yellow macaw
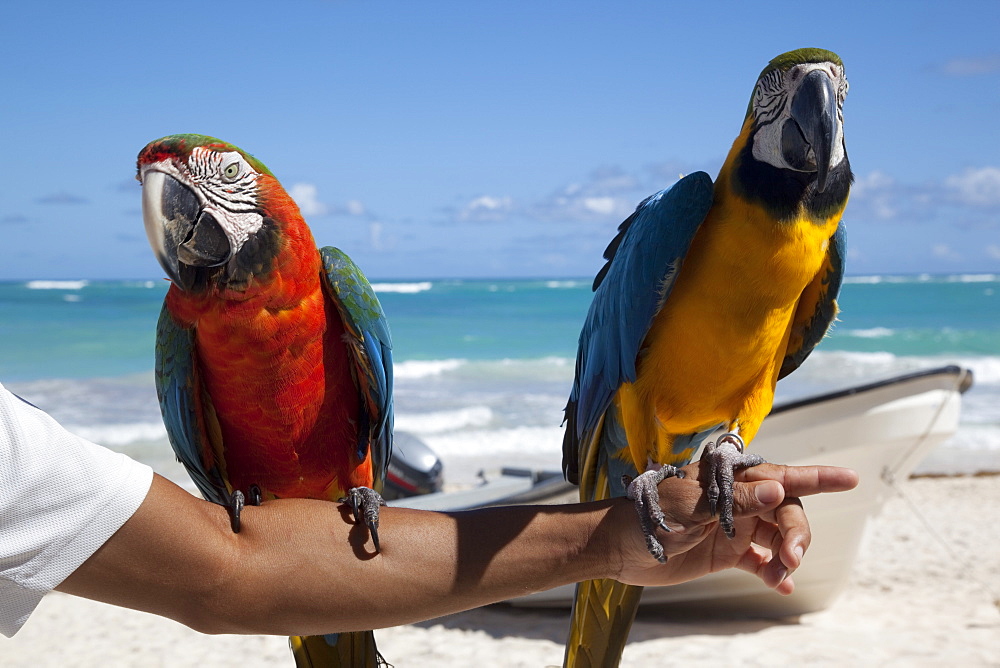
{"x": 710, "y": 295}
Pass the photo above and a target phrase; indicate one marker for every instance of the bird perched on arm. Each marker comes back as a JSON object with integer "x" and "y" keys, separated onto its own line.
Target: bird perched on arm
{"x": 273, "y": 357}
{"x": 711, "y": 294}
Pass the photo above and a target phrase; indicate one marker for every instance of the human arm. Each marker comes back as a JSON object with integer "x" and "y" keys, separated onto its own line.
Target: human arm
{"x": 772, "y": 531}
{"x": 303, "y": 567}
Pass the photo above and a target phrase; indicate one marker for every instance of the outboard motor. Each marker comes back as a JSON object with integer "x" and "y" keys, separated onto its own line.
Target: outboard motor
{"x": 413, "y": 468}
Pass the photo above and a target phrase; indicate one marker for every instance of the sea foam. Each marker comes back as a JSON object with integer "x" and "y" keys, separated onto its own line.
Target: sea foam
{"x": 56, "y": 285}
{"x": 416, "y": 369}
{"x": 117, "y": 435}
{"x": 872, "y": 333}
{"x": 404, "y": 288}
{"x": 973, "y": 278}
{"x": 922, "y": 278}
{"x": 518, "y": 440}
{"x": 437, "y": 422}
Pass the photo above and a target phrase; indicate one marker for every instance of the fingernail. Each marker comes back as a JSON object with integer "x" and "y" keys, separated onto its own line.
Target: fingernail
{"x": 768, "y": 492}
{"x": 782, "y": 574}
{"x": 799, "y": 551}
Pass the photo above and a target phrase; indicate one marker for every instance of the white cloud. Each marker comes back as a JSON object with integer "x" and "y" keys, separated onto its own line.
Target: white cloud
{"x": 575, "y": 203}
{"x": 971, "y": 197}
{"x": 874, "y": 182}
{"x": 879, "y": 193}
{"x": 968, "y": 67}
{"x": 607, "y": 193}
{"x": 993, "y": 251}
{"x": 604, "y": 206}
{"x": 977, "y": 187}
{"x": 486, "y": 207}
{"x": 945, "y": 252}
{"x": 490, "y": 203}
{"x": 554, "y": 260}
{"x": 375, "y": 235}
{"x": 611, "y": 180}
{"x": 305, "y": 195}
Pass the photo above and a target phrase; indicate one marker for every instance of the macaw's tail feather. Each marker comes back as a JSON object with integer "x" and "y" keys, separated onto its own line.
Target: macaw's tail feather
{"x": 337, "y": 650}
{"x": 603, "y": 612}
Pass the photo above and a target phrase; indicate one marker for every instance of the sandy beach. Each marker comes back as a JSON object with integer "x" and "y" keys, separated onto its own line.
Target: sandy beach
{"x": 910, "y": 602}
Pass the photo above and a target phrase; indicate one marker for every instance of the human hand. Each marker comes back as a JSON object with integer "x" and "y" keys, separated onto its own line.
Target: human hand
{"x": 772, "y": 532}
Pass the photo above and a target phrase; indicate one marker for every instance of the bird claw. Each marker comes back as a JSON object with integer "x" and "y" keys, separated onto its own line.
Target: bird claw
{"x": 255, "y": 495}
{"x": 724, "y": 458}
{"x": 643, "y": 492}
{"x": 237, "y": 501}
{"x": 235, "y": 507}
{"x": 365, "y": 503}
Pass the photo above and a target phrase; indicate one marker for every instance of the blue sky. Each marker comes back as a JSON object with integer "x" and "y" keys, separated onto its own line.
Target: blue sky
{"x": 483, "y": 139}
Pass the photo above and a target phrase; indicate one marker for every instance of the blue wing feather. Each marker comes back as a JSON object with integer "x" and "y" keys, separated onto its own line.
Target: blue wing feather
{"x": 629, "y": 291}
{"x": 178, "y": 390}
{"x": 372, "y": 347}
{"x": 819, "y": 316}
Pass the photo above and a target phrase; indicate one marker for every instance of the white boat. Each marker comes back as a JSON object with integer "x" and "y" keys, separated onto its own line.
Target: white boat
{"x": 882, "y": 430}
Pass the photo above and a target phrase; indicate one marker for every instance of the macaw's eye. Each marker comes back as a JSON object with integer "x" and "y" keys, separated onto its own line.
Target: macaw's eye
{"x": 231, "y": 171}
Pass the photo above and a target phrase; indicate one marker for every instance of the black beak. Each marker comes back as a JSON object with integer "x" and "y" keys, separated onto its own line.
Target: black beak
{"x": 183, "y": 236}
{"x": 807, "y": 137}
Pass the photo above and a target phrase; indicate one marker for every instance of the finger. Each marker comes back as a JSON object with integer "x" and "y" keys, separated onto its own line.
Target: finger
{"x": 754, "y": 560}
{"x": 768, "y": 538}
{"x": 756, "y": 498}
{"x": 759, "y": 562}
{"x": 767, "y": 535}
{"x": 803, "y": 480}
{"x": 795, "y": 532}
{"x": 786, "y": 586}
{"x": 786, "y": 532}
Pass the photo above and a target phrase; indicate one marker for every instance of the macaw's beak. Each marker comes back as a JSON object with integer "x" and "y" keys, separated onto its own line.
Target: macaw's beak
{"x": 807, "y": 137}
{"x": 184, "y": 237}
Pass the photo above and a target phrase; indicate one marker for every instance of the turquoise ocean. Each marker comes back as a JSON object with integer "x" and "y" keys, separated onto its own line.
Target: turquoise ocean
{"x": 483, "y": 368}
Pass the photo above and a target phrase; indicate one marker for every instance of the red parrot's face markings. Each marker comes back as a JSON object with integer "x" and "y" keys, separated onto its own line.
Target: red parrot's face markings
{"x": 203, "y": 216}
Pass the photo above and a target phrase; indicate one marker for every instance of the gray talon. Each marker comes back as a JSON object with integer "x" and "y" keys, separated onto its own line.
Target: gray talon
{"x": 643, "y": 492}
{"x": 235, "y": 507}
{"x": 365, "y": 501}
{"x": 725, "y": 458}
{"x": 238, "y": 501}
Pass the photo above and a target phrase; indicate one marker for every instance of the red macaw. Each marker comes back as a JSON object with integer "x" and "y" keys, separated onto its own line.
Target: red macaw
{"x": 273, "y": 357}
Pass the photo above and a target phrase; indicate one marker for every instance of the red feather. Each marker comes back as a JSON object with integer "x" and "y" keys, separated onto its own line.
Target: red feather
{"x": 275, "y": 365}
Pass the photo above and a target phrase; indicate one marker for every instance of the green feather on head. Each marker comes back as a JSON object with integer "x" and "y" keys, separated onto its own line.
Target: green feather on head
{"x": 183, "y": 144}
{"x": 790, "y": 59}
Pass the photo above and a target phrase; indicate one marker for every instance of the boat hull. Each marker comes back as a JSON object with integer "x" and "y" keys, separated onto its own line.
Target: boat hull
{"x": 882, "y": 431}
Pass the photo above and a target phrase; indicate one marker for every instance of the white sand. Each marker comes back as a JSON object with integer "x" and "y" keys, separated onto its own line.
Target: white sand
{"x": 909, "y": 603}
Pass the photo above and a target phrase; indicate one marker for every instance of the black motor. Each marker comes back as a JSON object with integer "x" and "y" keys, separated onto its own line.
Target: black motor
{"x": 413, "y": 468}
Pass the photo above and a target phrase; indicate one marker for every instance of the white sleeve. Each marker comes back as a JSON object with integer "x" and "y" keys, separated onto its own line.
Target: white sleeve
{"x": 61, "y": 498}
